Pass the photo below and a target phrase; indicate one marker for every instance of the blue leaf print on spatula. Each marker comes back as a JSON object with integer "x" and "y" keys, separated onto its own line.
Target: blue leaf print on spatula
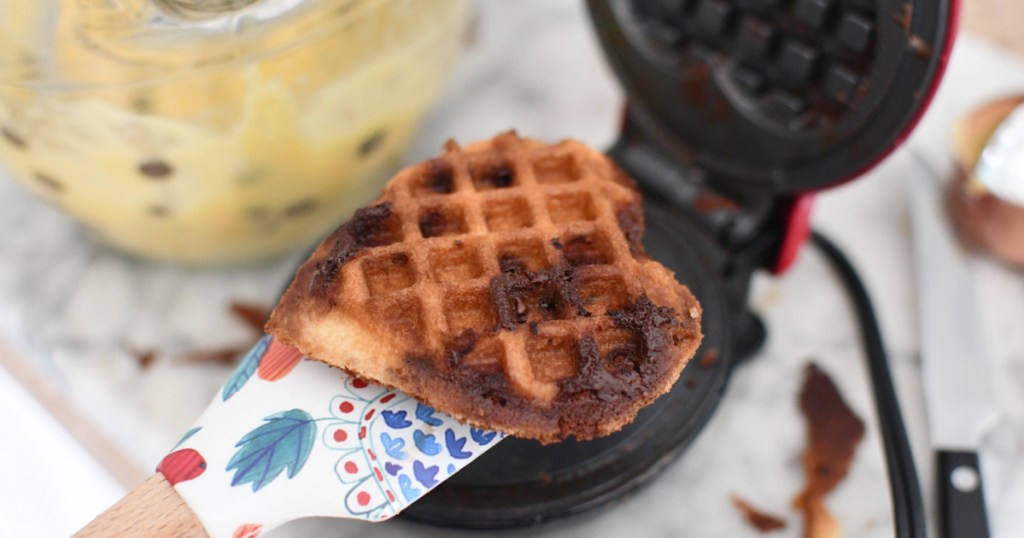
{"x": 482, "y": 437}
{"x": 408, "y": 491}
{"x": 455, "y": 445}
{"x": 426, "y": 414}
{"x": 426, "y": 443}
{"x": 395, "y": 420}
{"x": 187, "y": 436}
{"x": 425, "y": 475}
{"x": 282, "y": 443}
{"x": 393, "y": 446}
{"x": 246, "y": 368}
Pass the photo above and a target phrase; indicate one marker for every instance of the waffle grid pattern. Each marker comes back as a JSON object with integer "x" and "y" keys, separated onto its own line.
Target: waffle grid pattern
{"x": 789, "y": 56}
{"x": 464, "y": 218}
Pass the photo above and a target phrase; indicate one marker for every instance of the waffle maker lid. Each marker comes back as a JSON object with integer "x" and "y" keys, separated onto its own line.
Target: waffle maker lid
{"x": 776, "y": 96}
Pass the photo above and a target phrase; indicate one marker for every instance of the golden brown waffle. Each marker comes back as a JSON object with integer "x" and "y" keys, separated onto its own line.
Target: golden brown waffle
{"x": 503, "y": 283}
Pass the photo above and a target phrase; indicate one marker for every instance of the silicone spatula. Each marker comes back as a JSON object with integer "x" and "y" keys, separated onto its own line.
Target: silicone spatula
{"x": 288, "y": 437}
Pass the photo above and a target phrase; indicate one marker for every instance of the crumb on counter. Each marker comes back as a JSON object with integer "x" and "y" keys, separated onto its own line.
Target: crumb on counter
{"x": 758, "y": 519}
{"x": 833, "y": 433}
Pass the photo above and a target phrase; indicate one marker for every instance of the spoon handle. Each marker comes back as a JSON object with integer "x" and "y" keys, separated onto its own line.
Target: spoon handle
{"x": 153, "y": 509}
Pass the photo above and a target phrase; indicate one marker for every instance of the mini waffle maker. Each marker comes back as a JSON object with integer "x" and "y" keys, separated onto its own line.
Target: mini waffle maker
{"x": 738, "y": 110}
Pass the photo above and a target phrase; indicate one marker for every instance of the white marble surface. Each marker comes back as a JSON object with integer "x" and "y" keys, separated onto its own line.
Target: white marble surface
{"x": 73, "y": 308}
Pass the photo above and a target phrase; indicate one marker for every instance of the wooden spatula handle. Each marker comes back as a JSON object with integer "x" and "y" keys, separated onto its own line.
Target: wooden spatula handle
{"x": 153, "y": 509}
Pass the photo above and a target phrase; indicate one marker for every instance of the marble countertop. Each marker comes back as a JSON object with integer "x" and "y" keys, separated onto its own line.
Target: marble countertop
{"x": 74, "y": 310}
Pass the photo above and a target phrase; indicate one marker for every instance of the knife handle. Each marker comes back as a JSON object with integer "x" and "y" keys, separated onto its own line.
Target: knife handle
{"x": 961, "y": 495}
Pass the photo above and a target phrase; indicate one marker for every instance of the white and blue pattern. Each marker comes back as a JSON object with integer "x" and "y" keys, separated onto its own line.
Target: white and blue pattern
{"x": 312, "y": 441}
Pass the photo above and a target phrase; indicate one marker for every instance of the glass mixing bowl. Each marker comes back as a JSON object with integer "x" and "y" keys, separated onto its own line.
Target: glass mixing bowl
{"x": 213, "y": 132}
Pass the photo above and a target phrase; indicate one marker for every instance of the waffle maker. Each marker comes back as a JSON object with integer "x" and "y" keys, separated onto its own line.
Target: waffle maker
{"x": 737, "y": 111}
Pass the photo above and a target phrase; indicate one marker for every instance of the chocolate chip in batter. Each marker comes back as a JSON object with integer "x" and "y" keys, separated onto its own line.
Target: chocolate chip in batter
{"x": 257, "y": 213}
{"x": 141, "y": 103}
{"x": 300, "y": 208}
{"x": 371, "y": 143}
{"x": 48, "y": 181}
{"x": 250, "y": 176}
{"x": 156, "y": 169}
{"x": 13, "y": 138}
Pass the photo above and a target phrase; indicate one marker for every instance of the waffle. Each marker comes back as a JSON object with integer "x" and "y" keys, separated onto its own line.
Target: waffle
{"x": 503, "y": 283}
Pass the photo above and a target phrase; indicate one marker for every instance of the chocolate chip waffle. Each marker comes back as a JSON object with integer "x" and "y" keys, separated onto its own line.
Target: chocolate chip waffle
{"x": 503, "y": 283}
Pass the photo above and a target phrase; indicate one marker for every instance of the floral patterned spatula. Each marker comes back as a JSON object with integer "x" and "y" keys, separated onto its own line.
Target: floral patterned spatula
{"x": 286, "y": 438}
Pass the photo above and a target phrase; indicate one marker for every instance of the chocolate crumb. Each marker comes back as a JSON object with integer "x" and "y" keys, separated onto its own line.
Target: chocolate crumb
{"x": 919, "y": 47}
{"x": 709, "y": 359}
{"x": 159, "y": 211}
{"x": 145, "y": 358}
{"x": 227, "y": 356}
{"x": 556, "y": 243}
{"x": 833, "y": 433}
{"x": 695, "y": 83}
{"x": 690, "y": 382}
{"x": 13, "y": 139}
{"x": 254, "y": 316}
{"x": 905, "y": 16}
{"x": 706, "y": 202}
{"x": 371, "y": 143}
{"x": 761, "y": 521}
{"x": 156, "y": 169}
{"x": 48, "y": 181}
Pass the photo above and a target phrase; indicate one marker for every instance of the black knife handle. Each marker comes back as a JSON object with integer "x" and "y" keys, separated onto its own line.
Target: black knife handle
{"x": 961, "y": 495}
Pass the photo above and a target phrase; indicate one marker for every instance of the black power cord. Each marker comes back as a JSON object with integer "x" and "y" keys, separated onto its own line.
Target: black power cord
{"x": 907, "y": 505}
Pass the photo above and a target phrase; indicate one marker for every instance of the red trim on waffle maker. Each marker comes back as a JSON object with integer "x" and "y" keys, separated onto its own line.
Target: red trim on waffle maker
{"x": 798, "y": 217}
{"x": 798, "y": 230}
{"x": 926, "y": 100}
